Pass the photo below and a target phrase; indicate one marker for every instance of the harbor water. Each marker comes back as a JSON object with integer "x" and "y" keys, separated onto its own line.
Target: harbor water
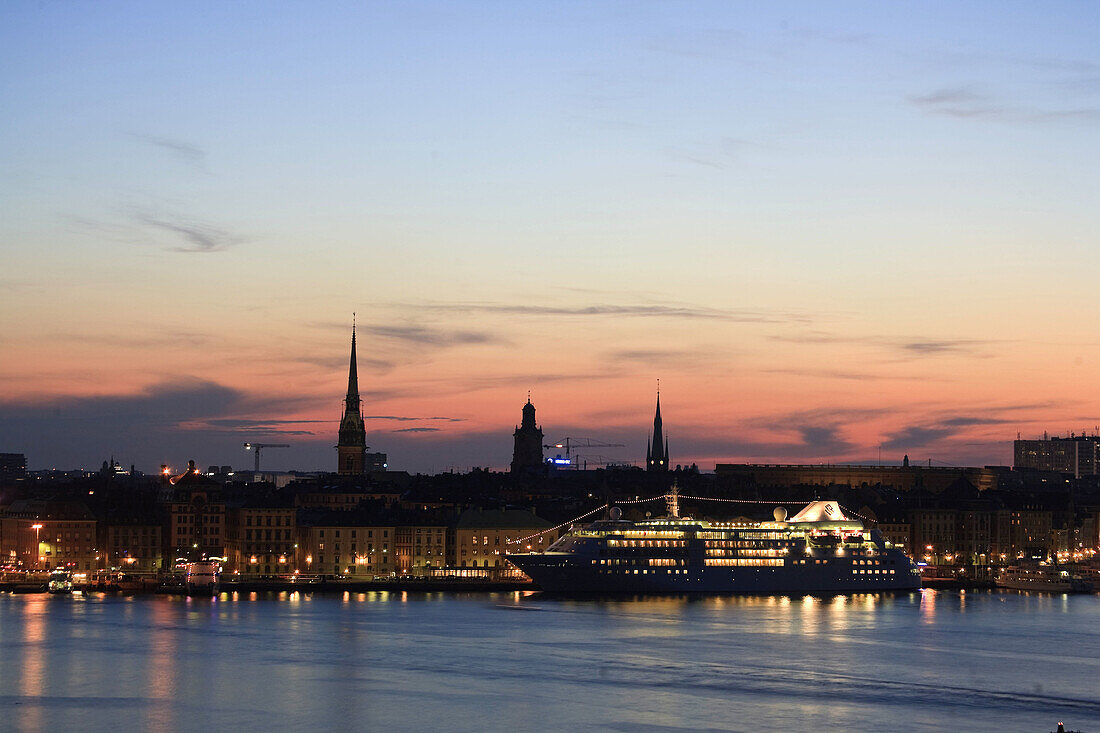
{"x": 923, "y": 661}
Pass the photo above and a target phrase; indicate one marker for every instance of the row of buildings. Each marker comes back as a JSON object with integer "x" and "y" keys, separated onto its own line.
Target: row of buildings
{"x": 358, "y": 521}
{"x": 341, "y": 529}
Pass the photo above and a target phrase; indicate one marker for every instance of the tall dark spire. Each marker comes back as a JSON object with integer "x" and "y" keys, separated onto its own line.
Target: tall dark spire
{"x": 656, "y": 453}
{"x": 352, "y": 400}
{"x": 352, "y": 446}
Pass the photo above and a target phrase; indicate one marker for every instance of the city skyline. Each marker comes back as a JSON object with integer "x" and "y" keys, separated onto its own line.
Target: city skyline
{"x": 828, "y": 232}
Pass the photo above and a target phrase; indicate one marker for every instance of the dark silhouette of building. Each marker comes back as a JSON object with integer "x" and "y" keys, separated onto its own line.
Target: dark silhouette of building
{"x": 1077, "y": 454}
{"x": 13, "y": 466}
{"x": 656, "y": 452}
{"x": 527, "y": 450}
{"x": 351, "y": 450}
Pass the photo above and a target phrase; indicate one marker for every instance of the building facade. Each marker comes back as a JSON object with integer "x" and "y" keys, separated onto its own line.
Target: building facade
{"x": 133, "y": 546}
{"x": 1078, "y": 455}
{"x": 420, "y": 548}
{"x": 261, "y": 539}
{"x": 346, "y": 543}
{"x": 483, "y": 537}
{"x": 44, "y": 534}
{"x": 194, "y": 511}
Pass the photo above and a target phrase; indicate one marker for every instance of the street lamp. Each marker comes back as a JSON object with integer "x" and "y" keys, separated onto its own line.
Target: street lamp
{"x": 37, "y": 544}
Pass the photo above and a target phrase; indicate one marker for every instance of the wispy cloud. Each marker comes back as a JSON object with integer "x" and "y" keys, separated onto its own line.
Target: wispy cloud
{"x": 680, "y": 357}
{"x": 431, "y": 336}
{"x": 838, "y": 374}
{"x": 196, "y": 236}
{"x": 265, "y": 424}
{"x": 929, "y": 347}
{"x": 403, "y": 418}
{"x": 642, "y": 310}
{"x": 416, "y": 430}
{"x": 966, "y": 103}
{"x": 915, "y": 437}
{"x": 721, "y": 155}
{"x": 914, "y": 346}
{"x": 185, "y": 151}
{"x": 968, "y": 421}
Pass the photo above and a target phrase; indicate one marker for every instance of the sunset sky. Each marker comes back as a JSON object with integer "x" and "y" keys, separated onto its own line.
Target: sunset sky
{"x": 829, "y": 229}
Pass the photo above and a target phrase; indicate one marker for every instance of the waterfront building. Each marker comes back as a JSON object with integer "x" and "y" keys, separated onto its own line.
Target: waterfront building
{"x": 351, "y": 450}
{"x": 483, "y": 537}
{"x": 527, "y": 444}
{"x": 194, "y": 511}
{"x": 261, "y": 537}
{"x": 44, "y": 534}
{"x": 133, "y": 545}
{"x": 1021, "y": 529}
{"x": 933, "y": 534}
{"x": 656, "y": 452}
{"x": 1078, "y": 455}
{"x": 345, "y": 543}
{"x": 420, "y": 548}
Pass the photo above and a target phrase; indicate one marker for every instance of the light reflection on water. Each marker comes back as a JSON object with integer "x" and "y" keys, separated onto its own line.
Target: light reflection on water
{"x": 929, "y": 660}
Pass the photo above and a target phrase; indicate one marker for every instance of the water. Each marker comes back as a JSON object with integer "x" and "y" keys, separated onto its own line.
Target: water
{"x": 928, "y": 661}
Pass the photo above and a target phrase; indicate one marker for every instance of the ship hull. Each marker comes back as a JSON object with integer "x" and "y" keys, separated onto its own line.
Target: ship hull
{"x": 564, "y": 575}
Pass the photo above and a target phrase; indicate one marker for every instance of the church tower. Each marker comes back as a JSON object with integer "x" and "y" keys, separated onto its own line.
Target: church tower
{"x": 527, "y": 450}
{"x": 656, "y": 453}
{"x": 352, "y": 448}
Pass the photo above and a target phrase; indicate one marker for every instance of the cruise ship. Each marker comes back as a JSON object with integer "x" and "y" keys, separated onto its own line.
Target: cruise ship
{"x": 818, "y": 550}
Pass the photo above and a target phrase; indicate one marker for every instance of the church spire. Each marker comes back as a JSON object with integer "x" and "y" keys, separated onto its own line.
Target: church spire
{"x": 353, "y": 373}
{"x": 352, "y": 446}
{"x": 657, "y": 450}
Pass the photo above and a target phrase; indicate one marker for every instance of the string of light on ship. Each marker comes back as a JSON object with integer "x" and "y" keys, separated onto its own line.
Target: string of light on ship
{"x": 521, "y": 540}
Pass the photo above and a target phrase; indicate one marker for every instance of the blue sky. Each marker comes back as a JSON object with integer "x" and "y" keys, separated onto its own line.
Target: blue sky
{"x": 797, "y": 193}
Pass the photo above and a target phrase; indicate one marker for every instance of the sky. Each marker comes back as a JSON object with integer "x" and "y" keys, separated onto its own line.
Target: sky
{"x": 836, "y": 232}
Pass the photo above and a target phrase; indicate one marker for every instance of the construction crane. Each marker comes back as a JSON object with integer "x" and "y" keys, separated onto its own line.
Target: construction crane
{"x": 259, "y": 447}
{"x": 583, "y": 461}
{"x": 570, "y": 443}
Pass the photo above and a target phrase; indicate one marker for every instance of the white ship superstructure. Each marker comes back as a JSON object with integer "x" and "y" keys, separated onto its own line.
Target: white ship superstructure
{"x": 819, "y": 549}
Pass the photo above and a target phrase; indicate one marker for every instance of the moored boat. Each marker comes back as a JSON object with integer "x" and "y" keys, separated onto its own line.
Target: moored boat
{"x": 61, "y": 581}
{"x": 1047, "y": 577}
{"x": 819, "y": 549}
{"x": 202, "y": 578}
